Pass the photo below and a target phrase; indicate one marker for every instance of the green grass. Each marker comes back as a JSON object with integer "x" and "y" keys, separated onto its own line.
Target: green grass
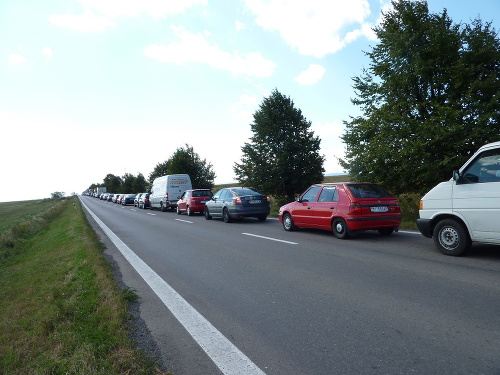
{"x": 61, "y": 310}
{"x": 12, "y": 213}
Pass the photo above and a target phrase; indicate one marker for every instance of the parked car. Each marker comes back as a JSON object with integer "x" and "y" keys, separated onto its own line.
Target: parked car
{"x": 192, "y": 201}
{"x": 344, "y": 208}
{"x": 115, "y": 198}
{"x": 136, "y": 199}
{"x": 144, "y": 201}
{"x": 110, "y": 197}
{"x": 127, "y": 199}
{"x": 466, "y": 208}
{"x": 237, "y": 203}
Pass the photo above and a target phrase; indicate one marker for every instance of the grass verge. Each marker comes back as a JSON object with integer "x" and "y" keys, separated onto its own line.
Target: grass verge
{"x": 61, "y": 310}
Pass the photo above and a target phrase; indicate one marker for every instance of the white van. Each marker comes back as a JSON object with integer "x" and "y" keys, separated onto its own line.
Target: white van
{"x": 466, "y": 208}
{"x": 167, "y": 190}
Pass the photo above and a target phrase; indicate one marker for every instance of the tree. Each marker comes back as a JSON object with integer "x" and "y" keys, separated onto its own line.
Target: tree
{"x": 57, "y": 195}
{"x": 185, "y": 161}
{"x": 139, "y": 184}
{"x": 429, "y": 99}
{"x": 112, "y": 183}
{"x": 282, "y": 157}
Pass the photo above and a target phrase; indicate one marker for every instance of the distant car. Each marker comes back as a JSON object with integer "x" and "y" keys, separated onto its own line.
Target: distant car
{"x": 127, "y": 199}
{"x": 193, "y": 201}
{"x": 236, "y": 203}
{"x": 136, "y": 199}
{"x": 115, "y": 197}
{"x": 110, "y": 197}
{"x": 343, "y": 208}
{"x": 144, "y": 201}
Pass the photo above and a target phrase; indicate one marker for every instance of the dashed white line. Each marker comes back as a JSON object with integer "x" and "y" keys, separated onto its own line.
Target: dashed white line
{"x": 270, "y": 238}
{"x": 149, "y": 213}
{"x": 185, "y": 221}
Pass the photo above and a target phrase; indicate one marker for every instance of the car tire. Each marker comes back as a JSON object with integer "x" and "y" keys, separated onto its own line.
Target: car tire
{"x": 339, "y": 228}
{"x": 288, "y": 224}
{"x": 225, "y": 216}
{"x": 386, "y": 231}
{"x": 451, "y": 238}
{"x": 207, "y": 214}
{"x": 162, "y": 208}
{"x": 262, "y": 218}
{"x": 188, "y": 211}
{"x": 177, "y": 209}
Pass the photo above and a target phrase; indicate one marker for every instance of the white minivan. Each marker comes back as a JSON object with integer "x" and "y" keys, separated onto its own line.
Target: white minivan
{"x": 466, "y": 208}
{"x": 167, "y": 190}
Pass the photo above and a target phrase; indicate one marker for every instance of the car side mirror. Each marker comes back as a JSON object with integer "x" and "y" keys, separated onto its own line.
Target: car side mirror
{"x": 298, "y": 199}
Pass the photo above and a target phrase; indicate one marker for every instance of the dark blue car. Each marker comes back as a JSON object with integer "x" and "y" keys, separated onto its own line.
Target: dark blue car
{"x": 236, "y": 203}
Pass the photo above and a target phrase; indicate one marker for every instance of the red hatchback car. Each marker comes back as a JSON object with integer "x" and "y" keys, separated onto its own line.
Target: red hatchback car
{"x": 344, "y": 208}
{"x": 193, "y": 201}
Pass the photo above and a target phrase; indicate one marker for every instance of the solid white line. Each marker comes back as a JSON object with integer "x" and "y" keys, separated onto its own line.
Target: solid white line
{"x": 404, "y": 231}
{"x": 270, "y": 238}
{"x": 185, "y": 221}
{"x": 228, "y": 358}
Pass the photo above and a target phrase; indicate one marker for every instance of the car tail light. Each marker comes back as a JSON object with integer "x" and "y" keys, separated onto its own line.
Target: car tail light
{"x": 268, "y": 200}
{"x": 166, "y": 196}
{"x": 237, "y": 201}
{"x": 355, "y": 208}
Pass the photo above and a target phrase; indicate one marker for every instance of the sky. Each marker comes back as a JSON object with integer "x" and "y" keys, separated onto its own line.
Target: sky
{"x": 93, "y": 87}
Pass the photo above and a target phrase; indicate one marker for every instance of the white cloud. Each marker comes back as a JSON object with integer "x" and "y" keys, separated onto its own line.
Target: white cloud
{"x": 47, "y": 51}
{"x": 16, "y": 59}
{"x": 196, "y": 48}
{"x": 239, "y": 25}
{"x": 86, "y": 22}
{"x": 99, "y": 15}
{"x": 313, "y": 74}
{"x": 244, "y": 109}
{"x": 327, "y": 130}
{"x": 314, "y": 27}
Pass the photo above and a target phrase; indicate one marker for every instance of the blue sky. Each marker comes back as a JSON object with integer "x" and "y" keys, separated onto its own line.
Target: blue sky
{"x": 91, "y": 87}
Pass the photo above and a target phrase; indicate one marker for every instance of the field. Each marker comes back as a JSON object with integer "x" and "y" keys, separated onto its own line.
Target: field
{"x": 61, "y": 310}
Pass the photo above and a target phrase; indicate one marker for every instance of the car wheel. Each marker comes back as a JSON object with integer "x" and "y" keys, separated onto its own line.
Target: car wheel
{"x": 207, "y": 214}
{"x": 178, "y": 210}
{"x": 188, "y": 211}
{"x": 262, "y": 218}
{"x": 451, "y": 238}
{"x": 339, "y": 228}
{"x": 225, "y": 215}
{"x": 288, "y": 222}
{"x": 386, "y": 231}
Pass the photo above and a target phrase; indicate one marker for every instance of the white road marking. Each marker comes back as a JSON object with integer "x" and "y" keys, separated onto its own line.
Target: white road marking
{"x": 404, "y": 231}
{"x": 270, "y": 238}
{"x": 149, "y": 213}
{"x": 185, "y": 221}
{"x": 228, "y": 358}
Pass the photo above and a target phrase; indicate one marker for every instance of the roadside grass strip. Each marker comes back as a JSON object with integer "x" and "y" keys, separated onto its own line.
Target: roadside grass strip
{"x": 61, "y": 310}
{"x": 226, "y": 356}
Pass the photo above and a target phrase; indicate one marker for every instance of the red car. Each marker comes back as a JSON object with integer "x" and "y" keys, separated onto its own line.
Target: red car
{"x": 344, "y": 208}
{"x": 193, "y": 201}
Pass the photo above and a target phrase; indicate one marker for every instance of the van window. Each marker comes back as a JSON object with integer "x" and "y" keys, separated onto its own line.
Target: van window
{"x": 486, "y": 168}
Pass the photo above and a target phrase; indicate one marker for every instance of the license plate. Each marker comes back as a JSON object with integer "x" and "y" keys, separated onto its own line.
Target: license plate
{"x": 379, "y": 209}
{"x": 203, "y": 201}
{"x": 255, "y": 201}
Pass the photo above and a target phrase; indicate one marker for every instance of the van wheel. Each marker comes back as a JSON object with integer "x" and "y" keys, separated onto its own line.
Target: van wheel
{"x": 207, "y": 214}
{"x": 451, "y": 238}
{"x": 339, "y": 228}
{"x": 225, "y": 216}
{"x": 162, "y": 208}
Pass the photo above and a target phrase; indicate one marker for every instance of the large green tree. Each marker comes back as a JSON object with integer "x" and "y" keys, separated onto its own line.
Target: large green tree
{"x": 282, "y": 157}
{"x": 430, "y": 98}
{"x": 112, "y": 183}
{"x": 186, "y": 161}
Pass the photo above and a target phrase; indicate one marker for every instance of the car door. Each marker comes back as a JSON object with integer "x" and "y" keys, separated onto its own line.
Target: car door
{"x": 303, "y": 213}
{"x": 182, "y": 201}
{"x": 215, "y": 205}
{"x": 477, "y": 196}
{"x": 324, "y": 208}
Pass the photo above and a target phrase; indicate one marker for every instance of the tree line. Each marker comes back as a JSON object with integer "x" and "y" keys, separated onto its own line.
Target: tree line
{"x": 429, "y": 98}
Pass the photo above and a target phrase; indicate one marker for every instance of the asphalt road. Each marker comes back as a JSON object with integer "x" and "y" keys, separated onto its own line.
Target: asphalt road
{"x": 305, "y": 302}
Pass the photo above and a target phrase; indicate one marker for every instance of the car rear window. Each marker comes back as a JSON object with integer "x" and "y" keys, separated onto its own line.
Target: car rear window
{"x": 368, "y": 191}
{"x": 242, "y": 192}
{"x": 202, "y": 193}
